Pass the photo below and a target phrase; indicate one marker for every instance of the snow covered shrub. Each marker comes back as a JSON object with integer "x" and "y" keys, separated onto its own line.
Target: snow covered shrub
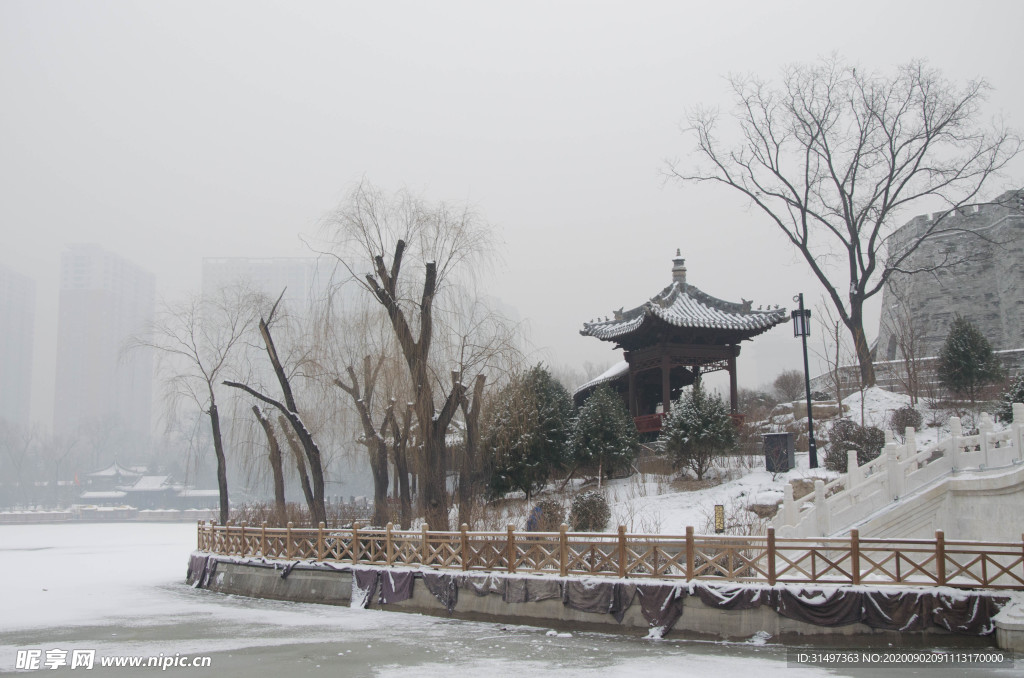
{"x": 547, "y": 516}
{"x": 1014, "y": 394}
{"x": 844, "y": 435}
{"x": 900, "y": 419}
{"x": 604, "y": 438}
{"x": 590, "y": 512}
{"x": 525, "y": 433}
{"x": 697, "y": 431}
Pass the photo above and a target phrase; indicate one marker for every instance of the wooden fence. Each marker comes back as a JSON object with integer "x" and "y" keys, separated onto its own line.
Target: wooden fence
{"x": 753, "y": 559}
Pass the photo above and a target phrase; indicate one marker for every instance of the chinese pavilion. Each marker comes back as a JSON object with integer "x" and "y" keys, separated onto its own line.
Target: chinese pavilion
{"x": 670, "y": 340}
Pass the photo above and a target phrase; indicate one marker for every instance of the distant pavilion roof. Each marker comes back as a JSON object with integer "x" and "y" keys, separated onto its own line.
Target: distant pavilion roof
{"x": 684, "y": 306}
{"x": 114, "y": 470}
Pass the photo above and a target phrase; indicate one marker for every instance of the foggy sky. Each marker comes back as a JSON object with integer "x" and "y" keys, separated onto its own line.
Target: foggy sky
{"x": 167, "y": 132}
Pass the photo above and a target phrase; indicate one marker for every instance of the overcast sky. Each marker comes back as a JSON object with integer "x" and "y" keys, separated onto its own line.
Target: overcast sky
{"x": 170, "y": 131}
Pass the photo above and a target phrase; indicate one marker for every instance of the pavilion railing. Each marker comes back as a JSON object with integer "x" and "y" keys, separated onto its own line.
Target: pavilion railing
{"x": 751, "y": 559}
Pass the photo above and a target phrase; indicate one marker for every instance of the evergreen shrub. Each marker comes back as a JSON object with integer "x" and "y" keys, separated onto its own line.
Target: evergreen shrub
{"x": 845, "y": 435}
{"x": 590, "y": 512}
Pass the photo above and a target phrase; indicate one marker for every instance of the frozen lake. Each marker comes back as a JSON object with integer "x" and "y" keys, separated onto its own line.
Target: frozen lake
{"x": 119, "y": 589}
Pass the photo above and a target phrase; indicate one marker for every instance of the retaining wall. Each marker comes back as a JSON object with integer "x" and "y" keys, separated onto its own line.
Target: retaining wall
{"x": 333, "y": 584}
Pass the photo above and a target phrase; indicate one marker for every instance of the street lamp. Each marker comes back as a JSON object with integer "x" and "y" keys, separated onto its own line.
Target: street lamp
{"x": 802, "y": 328}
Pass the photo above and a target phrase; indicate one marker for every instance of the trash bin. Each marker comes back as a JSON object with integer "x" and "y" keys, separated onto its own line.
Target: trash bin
{"x": 778, "y": 452}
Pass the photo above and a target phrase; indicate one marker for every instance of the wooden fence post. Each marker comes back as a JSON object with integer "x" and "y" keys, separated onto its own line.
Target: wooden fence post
{"x": 288, "y": 541}
{"x": 424, "y": 545}
{"x": 464, "y": 545}
{"x": 563, "y": 549}
{"x": 690, "y": 556}
{"x": 771, "y": 556}
{"x": 511, "y": 548}
{"x": 320, "y": 541}
{"x": 242, "y": 550}
{"x": 263, "y": 539}
{"x": 355, "y": 541}
{"x": 855, "y": 556}
{"x": 940, "y": 557}
{"x": 388, "y": 552}
{"x": 622, "y": 551}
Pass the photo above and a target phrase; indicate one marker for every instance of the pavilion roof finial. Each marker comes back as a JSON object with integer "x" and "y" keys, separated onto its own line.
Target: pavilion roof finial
{"x": 679, "y": 268}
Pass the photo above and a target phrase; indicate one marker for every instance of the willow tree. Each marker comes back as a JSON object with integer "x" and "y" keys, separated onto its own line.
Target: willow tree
{"x": 198, "y": 343}
{"x": 836, "y": 156}
{"x": 417, "y": 254}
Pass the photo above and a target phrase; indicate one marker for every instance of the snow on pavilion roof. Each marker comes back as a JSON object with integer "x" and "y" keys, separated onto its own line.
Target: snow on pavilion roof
{"x": 683, "y": 305}
{"x": 113, "y": 470}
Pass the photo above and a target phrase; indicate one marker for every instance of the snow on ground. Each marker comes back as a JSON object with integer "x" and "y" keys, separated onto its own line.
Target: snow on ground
{"x": 637, "y": 504}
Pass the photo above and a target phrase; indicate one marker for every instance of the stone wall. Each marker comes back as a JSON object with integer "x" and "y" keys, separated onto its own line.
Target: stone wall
{"x": 986, "y": 286}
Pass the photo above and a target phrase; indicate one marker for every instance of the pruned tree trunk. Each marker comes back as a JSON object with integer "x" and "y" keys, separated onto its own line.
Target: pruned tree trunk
{"x": 372, "y": 438}
{"x": 470, "y": 469}
{"x": 300, "y": 461}
{"x": 276, "y": 467}
{"x": 400, "y": 435}
{"x": 222, "y": 464}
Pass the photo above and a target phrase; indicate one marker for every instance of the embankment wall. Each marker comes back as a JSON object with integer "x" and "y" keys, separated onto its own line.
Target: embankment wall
{"x": 333, "y": 584}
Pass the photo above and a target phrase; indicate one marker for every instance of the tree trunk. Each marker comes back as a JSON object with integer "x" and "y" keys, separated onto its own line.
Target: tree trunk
{"x": 274, "y": 456}
{"x": 856, "y": 326}
{"x": 300, "y": 462}
{"x": 222, "y": 466}
{"x": 470, "y": 459}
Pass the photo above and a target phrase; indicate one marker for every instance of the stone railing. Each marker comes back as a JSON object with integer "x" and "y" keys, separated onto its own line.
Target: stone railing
{"x": 900, "y": 470}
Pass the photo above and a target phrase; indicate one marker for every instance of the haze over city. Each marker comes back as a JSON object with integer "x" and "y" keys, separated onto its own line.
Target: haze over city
{"x": 167, "y": 133}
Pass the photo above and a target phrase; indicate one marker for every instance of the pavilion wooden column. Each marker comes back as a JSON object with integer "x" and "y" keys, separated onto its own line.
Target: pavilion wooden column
{"x": 666, "y": 384}
{"x": 734, "y": 404}
{"x": 631, "y": 393}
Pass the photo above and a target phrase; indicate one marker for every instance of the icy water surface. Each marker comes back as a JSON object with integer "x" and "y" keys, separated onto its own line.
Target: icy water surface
{"x": 119, "y": 589}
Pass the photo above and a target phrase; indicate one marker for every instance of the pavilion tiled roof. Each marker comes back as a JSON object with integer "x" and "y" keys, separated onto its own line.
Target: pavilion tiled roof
{"x": 683, "y": 305}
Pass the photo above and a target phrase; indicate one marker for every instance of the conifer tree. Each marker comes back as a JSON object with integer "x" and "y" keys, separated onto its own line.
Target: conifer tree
{"x": 526, "y": 433}
{"x": 697, "y": 430}
{"x": 604, "y": 438}
{"x": 1013, "y": 394}
{"x": 966, "y": 362}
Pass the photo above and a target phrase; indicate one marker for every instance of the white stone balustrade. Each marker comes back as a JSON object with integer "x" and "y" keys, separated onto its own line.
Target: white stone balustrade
{"x": 899, "y": 471}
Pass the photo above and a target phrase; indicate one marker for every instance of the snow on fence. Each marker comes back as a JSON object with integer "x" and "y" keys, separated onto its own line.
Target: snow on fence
{"x": 745, "y": 559}
{"x": 900, "y": 470}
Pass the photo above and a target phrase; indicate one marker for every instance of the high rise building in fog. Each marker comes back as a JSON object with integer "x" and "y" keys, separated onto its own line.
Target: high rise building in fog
{"x": 104, "y": 300}
{"x": 17, "y": 316}
{"x": 299, "y": 277}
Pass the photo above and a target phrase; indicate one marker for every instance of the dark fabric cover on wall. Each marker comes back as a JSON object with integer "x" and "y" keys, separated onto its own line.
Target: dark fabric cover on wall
{"x": 732, "y": 598}
{"x": 898, "y": 611}
{"x": 661, "y": 605}
{"x": 364, "y": 586}
{"x": 588, "y": 595}
{"x": 288, "y": 569}
{"x": 196, "y": 568}
{"x": 837, "y": 607}
{"x": 970, "y": 616}
{"x": 395, "y": 586}
{"x": 483, "y": 584}
{"x": 444, "y": 587}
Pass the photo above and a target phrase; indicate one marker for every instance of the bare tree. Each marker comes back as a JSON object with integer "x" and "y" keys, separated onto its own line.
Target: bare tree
{"x": 290, "y": 411}
{"x": 274, "y": 459}
{"x": 906, "y": 337}
{"x": 196, "y": 343}
{"x": 789, "y": 385}
{"x": 415, "y": 252}
{"x": 836, "y": 154}
{"x": 372, "y": 438}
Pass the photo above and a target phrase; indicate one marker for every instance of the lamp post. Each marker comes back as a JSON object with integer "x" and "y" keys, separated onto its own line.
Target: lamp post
{"x": 802, "y": 329}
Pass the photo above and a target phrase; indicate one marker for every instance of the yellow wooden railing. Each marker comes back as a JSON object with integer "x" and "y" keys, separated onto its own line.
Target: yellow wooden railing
{"x": 765, "y": 559}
